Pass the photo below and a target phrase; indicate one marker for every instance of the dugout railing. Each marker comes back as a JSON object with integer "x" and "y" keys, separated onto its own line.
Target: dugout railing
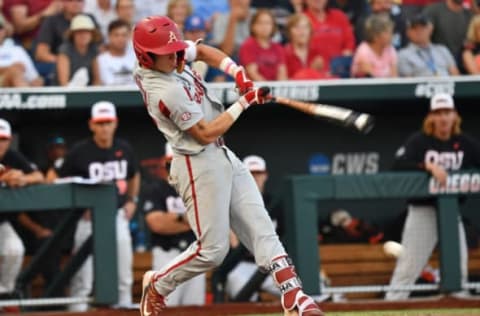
{"x": 304, "y": 193}
{"x": 73, "y": 199}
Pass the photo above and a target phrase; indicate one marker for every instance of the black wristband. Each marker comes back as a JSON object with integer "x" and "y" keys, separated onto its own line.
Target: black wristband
{"x": 180, "y": 218}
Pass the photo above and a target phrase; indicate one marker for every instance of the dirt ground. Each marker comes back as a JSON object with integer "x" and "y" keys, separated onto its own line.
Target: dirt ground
{"x": 251, "y": 308}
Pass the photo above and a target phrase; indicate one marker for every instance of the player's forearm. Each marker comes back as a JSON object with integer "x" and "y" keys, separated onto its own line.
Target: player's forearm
{"x": 166, "y": 223}
{"x": 34, "y": 178}
{"x": 133, "y": 187}
{"x": 208, "y": 132}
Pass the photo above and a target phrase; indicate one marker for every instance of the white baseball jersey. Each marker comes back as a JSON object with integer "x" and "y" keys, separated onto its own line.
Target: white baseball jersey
{"x": 176, "y": 102}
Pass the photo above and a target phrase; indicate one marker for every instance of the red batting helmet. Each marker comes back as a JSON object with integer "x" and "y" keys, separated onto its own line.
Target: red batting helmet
{"x": 157, "y": 35}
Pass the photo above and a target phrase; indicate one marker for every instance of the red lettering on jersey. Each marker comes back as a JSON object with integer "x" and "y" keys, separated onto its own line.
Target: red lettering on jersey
{"x": 118, "y": 153}
{"x": 188, "y": 93}
{"x": 163, "y": 108}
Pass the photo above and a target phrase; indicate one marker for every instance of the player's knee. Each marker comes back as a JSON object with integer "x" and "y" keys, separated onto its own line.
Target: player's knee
{"x": 215, "y": 255}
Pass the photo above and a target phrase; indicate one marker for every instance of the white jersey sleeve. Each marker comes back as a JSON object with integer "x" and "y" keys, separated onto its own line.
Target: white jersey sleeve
{"x": 179, "y": 106}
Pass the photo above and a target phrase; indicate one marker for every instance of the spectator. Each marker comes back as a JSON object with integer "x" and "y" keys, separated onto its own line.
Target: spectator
{"x": 171, "y": 233}
{"x": 209, "y": 10}
{"x": 354, "y": 9}
{"x": 195, "y": 29}
{"x": 471, "y": 52}
{"x": 16, "y": 66}
{"x": 300, "y": 55}
{"x": 376, "y": 57}
{"x": 144, "y": 8}
{"x": 450, "y": 23}
{"x": 394, "y": 11}
{"x": 27, "y": 15}
{"x": 117, "y": 62}
{"x": 77, "y": 63}
{"x": 441, "y": 147}
{"x": 263, "y": 59}
{"x": 411, "y": 8}
{"x": 103, "y": 11}
{"x": 125, "y": 10}
{"x": 52, "y": 31}
{"x": 421, "y": 57}
{"x": 330, "y": 26}
{"x": 178, "y": 11}
{"x": 5, "y": 18}
{"x": 105, "y": 158}
{"x": 231, "y": 29}
{"x": 19, "y": 173}
{"x": 56, "y": 151}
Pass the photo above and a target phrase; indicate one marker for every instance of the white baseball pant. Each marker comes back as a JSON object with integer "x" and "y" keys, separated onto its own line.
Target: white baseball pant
{"x": 419, "y": 238}
{"x": 82, "y": 282}
{"x": 191, "y": 292}
{"x": 219, "y": 192}
{"x": 11, "y": 257}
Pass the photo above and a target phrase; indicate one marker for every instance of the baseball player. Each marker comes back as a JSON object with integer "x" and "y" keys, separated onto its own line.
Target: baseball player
{"x": 218, "y": 190}
{"x": 17, "y": 172}
{"x": 105, "y": 158}
{"x": 171, "y": 234}
{"x": 440, "y": 147}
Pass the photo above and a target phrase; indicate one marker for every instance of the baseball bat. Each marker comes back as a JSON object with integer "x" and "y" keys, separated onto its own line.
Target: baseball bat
{"x": 345, "y": 117}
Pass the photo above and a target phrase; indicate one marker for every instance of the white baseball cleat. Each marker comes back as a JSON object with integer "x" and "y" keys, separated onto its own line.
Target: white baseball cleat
{"x": 151, "y": 303}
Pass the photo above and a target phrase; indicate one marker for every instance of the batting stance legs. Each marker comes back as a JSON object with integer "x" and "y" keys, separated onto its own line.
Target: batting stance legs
{"x": 419, "y": 239}
{"x": 211, "y": 183}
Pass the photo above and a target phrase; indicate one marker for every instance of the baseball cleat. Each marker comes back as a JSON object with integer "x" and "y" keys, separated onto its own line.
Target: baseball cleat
{"x": 306, "y": 306}
{"x": 151, "y": 303}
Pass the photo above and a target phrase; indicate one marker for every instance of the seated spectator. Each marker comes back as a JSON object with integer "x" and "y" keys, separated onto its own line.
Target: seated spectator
{"x": 411, "y": 8}
{"x": 19, "y": 173}
{"x": 117, "y": 62}
{"x": 144, "y": 8}
{"x": 125, "y": 10}
{"x": 299, "y": 53}
{"x": 471, "y": 52}
{"x": 450, "y": 23}
{"x": 16, "y": 66}
{"x": 209, "y": 10}
{"x": 178, "y": 11}
{"x": 103, "y": 12}
{"x": 77, "y": 63}
{"x": 354, "y": 9}
{"x": 263, "y": 59}
{"x": 195, "y": 29}
{"x": 27, "y": 15}
{"x": 330, "y": 26}
{"x": 52, "y": 31}
{"x": 421, "y": 57}
{"x": 5, "y": 18}
{"x": 376, "y": 57}
{"x": 394, "y": 11}
{"x": 231, "y": 29}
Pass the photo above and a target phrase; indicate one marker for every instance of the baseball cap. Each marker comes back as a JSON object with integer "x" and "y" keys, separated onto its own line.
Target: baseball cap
{"x": 5, "y": 129}
{"x": 103, "y": 111}
{"x": 419, "y": 19}
{"x": 56, "y": 140}
{"x": 255, "y": 163}
{"x": 194, "y": 23}
{"x": 441, "y": 101}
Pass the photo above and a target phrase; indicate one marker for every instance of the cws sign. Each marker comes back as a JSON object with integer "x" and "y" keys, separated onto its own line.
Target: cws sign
{"x": 456, "y": 183}
{"x": 17, "y": 101}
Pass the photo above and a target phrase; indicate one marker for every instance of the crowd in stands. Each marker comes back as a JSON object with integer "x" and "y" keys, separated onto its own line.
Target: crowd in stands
{"x": 88, "y": 42}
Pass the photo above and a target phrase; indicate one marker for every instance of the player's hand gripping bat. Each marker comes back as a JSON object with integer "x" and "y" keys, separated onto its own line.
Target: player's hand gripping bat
{"x": 348, "y": 118}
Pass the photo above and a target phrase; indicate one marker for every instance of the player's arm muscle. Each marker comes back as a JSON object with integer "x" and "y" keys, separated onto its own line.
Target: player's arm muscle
{"x": 207, "y": 132}
{"x": 211, "y": 55}
{"x": 166, "y": 223}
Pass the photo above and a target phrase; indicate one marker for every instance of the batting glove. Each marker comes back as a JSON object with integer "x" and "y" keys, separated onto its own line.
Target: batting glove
{"x": 257, "y": 96}
{"x": 243, "y": 84}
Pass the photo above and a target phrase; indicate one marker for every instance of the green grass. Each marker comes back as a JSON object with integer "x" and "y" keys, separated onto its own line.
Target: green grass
{"x": 416, "y": 312}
